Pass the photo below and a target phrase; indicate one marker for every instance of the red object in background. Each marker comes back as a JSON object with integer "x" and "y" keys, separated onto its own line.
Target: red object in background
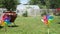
{"x": 58, "y": 9}
{"x": 57, "y": 12}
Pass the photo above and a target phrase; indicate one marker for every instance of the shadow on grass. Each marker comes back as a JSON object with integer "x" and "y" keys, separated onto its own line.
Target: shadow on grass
{"x": 9, "y": 26}
{"x": 13, "y": 26}
{"x": 1, "y": 27}
{"x": 58, "y": 22}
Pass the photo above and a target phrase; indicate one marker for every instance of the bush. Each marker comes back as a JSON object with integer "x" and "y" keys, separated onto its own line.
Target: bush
{"x": 25, "y": 14}
{"x": 44, "y": 13}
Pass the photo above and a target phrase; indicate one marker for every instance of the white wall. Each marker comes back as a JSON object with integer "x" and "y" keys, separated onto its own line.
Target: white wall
{"x": 32, "y": 10}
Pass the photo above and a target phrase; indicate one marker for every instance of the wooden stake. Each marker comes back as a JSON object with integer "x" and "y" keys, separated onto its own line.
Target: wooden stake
{"x": 48, "y": 31}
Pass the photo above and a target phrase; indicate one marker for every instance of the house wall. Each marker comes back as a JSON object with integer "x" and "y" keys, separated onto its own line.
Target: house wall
{"x": 31, "y": 12}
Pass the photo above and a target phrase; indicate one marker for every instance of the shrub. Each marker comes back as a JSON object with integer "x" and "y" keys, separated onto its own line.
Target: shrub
{"x": 25, "y": 14}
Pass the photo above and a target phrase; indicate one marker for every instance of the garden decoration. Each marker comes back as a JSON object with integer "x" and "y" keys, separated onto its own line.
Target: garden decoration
{"x": 5, "y": 20}
{"x": 12, "y": 15}
{"x": 47, "y": 19}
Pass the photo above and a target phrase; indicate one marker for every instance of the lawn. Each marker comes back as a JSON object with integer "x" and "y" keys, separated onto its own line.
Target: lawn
{"x": 32, "y": 25}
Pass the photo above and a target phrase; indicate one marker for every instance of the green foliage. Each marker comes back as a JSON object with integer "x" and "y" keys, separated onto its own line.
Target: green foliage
{"x": 48, "y": 3}
{"x": 1, "y": 5}
{"x": 9, "y": 4}
{"x": 25, "y": 14}
{"x": 55, "y": 3}
{"x": 44, "y": 13}
{"x": 41, "y": 3}
{"x": 34, "y": 2}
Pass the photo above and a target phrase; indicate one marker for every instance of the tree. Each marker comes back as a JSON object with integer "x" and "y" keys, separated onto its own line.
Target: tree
{"x": 55, "y": 3}
{"x": 10, "y": 4}
{"x": 40, "y": 3}
{"x": 1, "y": 5}
{"x": 34, "y": 2}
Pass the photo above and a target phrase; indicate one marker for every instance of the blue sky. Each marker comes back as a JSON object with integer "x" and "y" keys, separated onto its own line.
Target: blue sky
{"x": 24, "y": 1}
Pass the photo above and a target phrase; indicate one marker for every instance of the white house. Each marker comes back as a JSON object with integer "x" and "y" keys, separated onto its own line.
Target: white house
{"x": 32, "y": 10}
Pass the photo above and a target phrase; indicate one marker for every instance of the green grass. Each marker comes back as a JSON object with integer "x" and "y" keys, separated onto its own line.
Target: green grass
{"x": 32, "y": 25}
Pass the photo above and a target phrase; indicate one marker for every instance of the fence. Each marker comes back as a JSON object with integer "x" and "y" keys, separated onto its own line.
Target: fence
{"x": 47, "y": 11}
{"x": 37, "y": 12}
